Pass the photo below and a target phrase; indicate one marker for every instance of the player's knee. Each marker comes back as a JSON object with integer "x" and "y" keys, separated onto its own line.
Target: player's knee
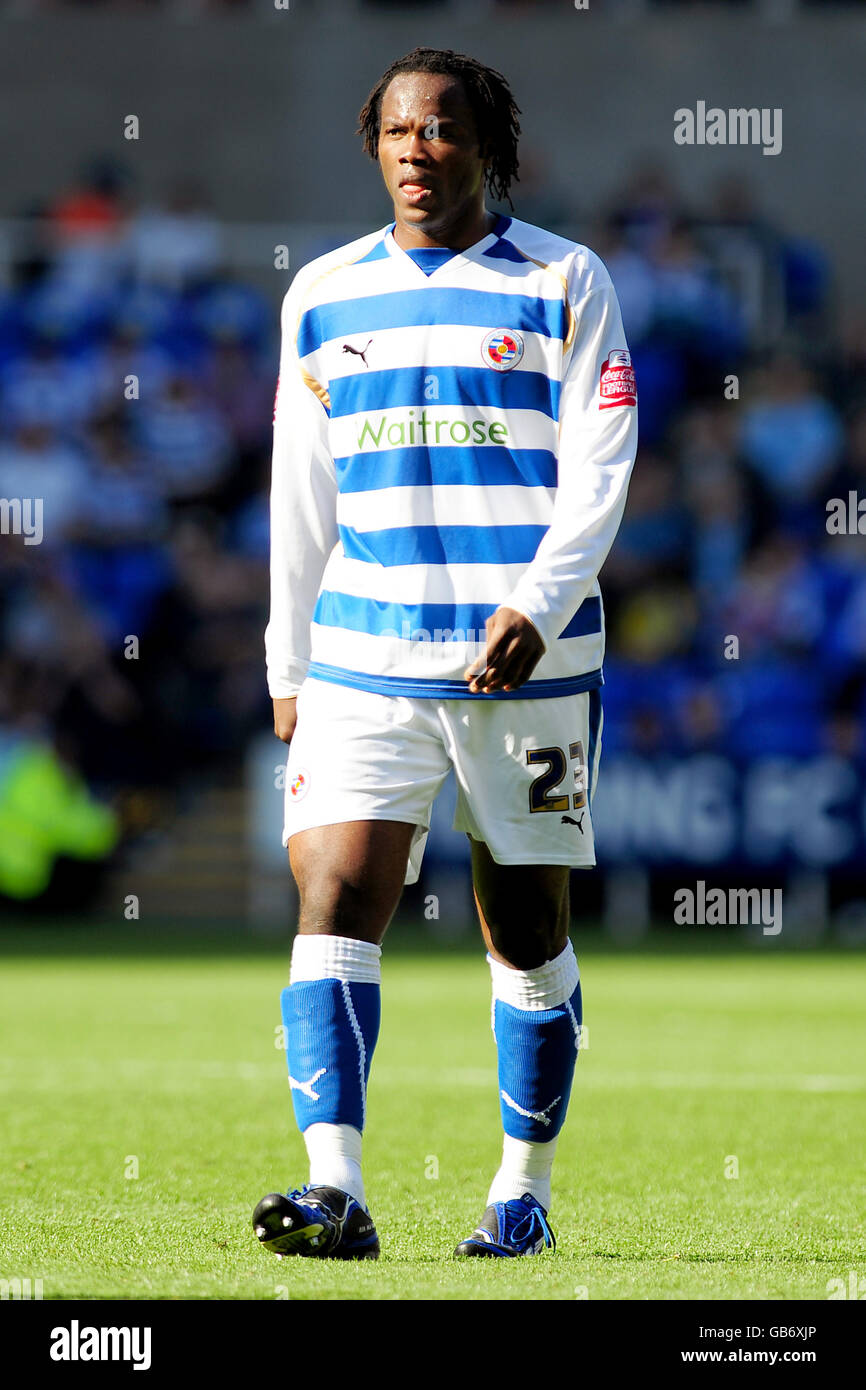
{"x": 328, "y": 901}
{"x": 333, "y": 903}
{"x": 526, "y": 929}
{"x": 527, "y": 949}
{"x": 525, "y": 934}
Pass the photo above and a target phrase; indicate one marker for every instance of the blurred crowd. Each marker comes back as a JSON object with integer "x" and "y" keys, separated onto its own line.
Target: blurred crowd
{"x": 136, "y": 385}
{"x": 736, "y": 618}
{"x": 136, "y": 391}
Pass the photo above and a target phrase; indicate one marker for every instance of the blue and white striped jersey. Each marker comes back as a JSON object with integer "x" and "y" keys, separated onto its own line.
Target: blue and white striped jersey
{"x": 453, "y": 432}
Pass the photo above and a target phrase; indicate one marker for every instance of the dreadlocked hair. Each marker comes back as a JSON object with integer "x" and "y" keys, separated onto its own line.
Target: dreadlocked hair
{"x": 489, "y": 96}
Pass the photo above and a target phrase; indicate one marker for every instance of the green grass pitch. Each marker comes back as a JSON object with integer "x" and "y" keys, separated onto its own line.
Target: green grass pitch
{"x": 146, "y": 1109}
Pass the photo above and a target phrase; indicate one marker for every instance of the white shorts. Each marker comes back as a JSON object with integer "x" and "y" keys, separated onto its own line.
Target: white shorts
{"x": 525, "y": 769}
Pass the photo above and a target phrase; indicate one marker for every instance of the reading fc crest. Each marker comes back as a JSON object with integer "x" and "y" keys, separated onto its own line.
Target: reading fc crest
{"x": 502, "y": 349}
{"x": 299, "y": 784}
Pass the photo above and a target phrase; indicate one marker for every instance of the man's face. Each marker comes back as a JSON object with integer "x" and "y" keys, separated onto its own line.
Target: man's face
{"x": 428, "y": 153}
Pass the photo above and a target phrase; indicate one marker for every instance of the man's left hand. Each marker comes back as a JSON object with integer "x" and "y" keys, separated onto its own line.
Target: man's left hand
{"x": 514, "y": 649}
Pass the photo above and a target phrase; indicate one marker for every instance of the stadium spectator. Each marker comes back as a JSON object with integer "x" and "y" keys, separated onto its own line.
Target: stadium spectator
{"x": 178, "y": 244}
{"x": 184, "y": 438}
{"x": 35, "y": 464}
{"x": 791, "y": 435}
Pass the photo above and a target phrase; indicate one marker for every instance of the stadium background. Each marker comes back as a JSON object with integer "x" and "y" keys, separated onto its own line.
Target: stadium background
{"x": 146, "y": 909}
{"x": 154, "y": 773}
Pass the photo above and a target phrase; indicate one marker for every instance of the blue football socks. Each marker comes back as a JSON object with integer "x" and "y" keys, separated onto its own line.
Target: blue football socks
{"x": 331, "y": 1013}
{"x": 537, "y": 1017}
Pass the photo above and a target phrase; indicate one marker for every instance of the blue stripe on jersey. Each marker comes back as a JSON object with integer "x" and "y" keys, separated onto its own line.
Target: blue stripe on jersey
{"x": 586, "y": 620}
{"x": 405, "y": 386}
{"x": 446, "y": 466}
{"x": 443, "y": 545}
{"x": 504, "y": 250}
{"x": 451, "y": 689}
{"x": 428, "y": 304}
{"x": 380, "y": 617}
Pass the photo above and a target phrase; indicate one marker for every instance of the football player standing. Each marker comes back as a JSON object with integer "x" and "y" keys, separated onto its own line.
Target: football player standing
{"x": 454, "y": 432}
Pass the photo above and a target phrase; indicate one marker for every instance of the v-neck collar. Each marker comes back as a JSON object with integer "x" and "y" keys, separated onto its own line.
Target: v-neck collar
{"x": 463, "y": 257}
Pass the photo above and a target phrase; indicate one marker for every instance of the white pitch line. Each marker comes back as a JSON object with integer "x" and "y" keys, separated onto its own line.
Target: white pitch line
{"x": 87, "y": 1073}
{"x": 595, "y": 1078}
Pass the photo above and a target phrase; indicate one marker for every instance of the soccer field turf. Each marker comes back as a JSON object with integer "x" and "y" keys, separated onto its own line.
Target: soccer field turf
{"x": 164, "y": 1065}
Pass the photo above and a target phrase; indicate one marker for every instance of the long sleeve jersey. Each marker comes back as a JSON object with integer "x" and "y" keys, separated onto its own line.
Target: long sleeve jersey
{"x": 448, "y": 439}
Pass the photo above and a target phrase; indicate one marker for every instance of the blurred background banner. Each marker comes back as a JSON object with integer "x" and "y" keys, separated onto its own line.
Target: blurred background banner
{"x": 168, "y": 168}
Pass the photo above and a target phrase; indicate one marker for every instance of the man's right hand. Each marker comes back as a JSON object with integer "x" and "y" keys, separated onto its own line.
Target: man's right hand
{"x": 285, "y": 718}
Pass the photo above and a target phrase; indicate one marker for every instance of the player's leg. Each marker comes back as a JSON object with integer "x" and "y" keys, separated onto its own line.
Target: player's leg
{"x": 351, "y": 752}
{"x": 524, "y": 801}
{"x": 350, "y": 877}
{"x": 536, "y": 1017}
{"x": 523, "y": 909}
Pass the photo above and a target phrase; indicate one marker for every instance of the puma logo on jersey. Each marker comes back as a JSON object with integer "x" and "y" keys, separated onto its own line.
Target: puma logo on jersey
{"x": 306, "y": 1087}
{"x": 567, "y": 820}
{"x": 359, "y": 352}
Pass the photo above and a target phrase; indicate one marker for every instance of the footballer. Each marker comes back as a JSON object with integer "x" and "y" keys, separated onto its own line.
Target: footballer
{"x": 455, "y": 426}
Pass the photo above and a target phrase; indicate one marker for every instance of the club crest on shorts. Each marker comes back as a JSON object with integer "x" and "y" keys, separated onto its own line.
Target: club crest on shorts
{"x": 617, "y": 385}
{"x": 502, "y": 349}
{"x": 299, "y": 785}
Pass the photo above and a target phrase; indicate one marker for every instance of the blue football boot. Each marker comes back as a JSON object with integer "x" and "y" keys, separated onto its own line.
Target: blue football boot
{"x": 316, "y": 1221}
{"x": 516, "y": 1227}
